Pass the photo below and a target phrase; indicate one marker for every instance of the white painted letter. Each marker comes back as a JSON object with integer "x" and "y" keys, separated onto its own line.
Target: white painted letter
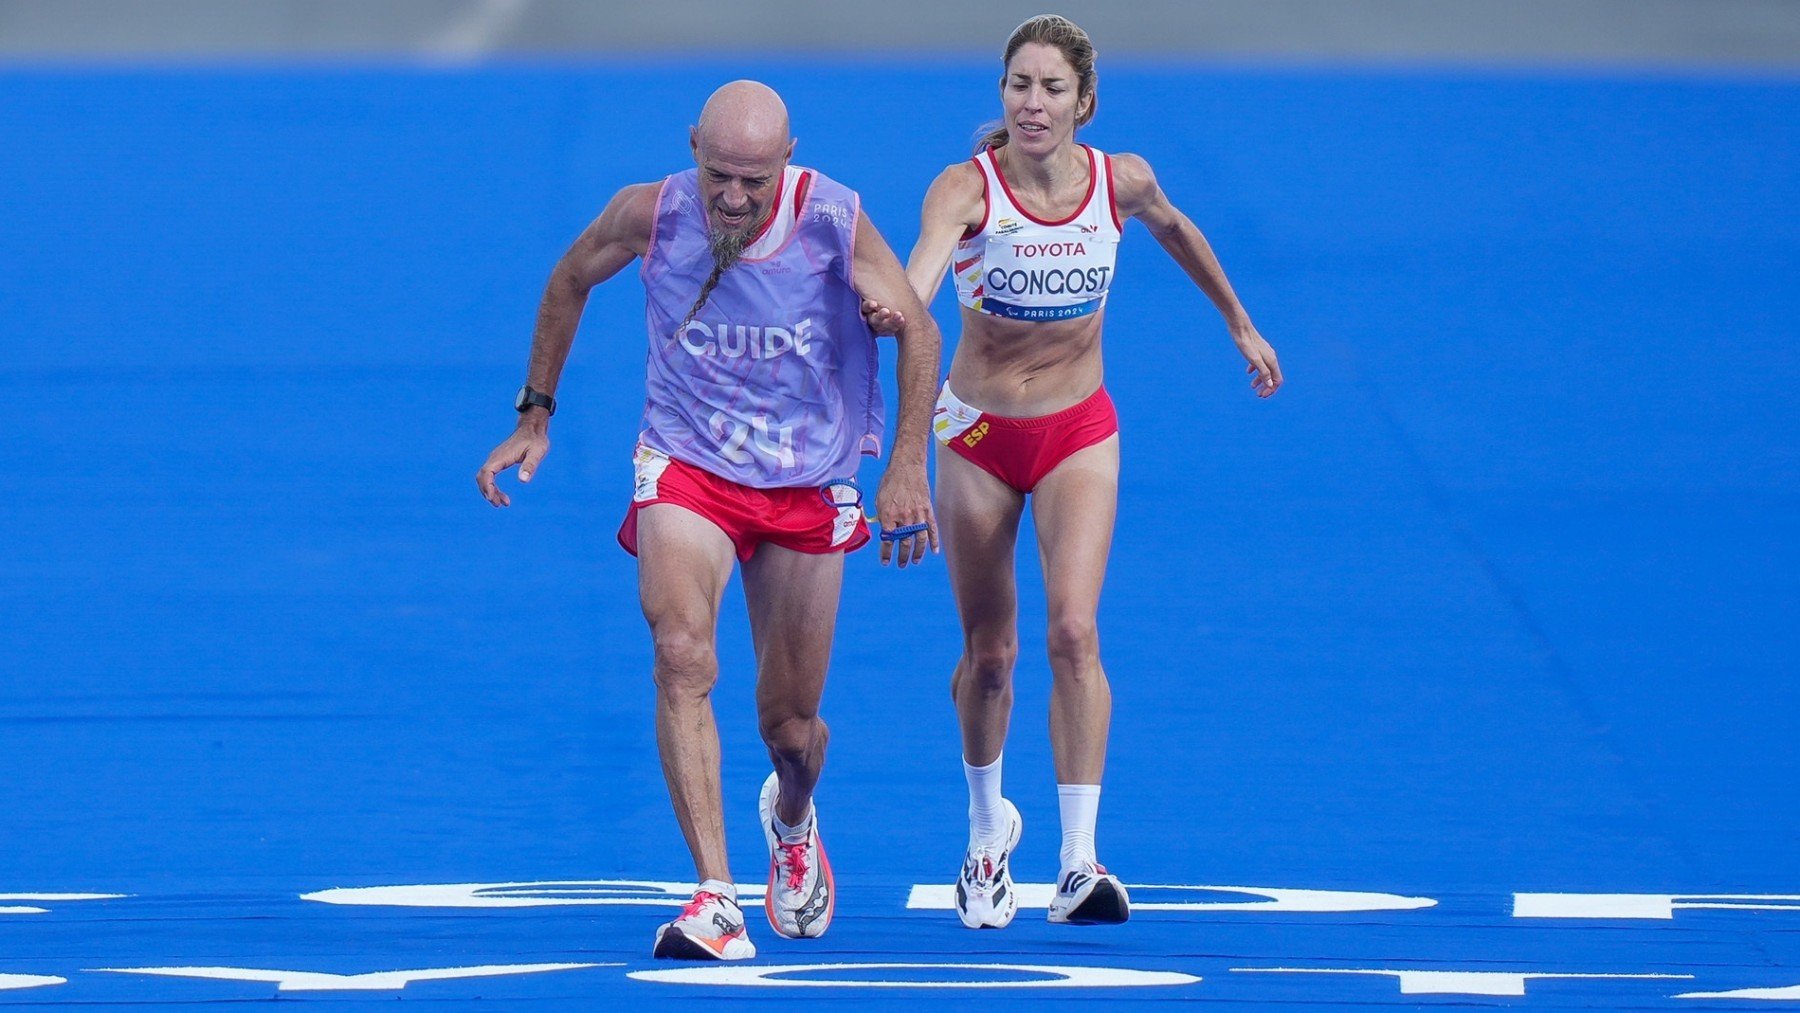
{"x": 318, "y": 981}
{"x": 1510, "y": 983}
{"x": 934, "y": 897}
{"x": 12, "y": 981}
{"x": 48, "y": 898}
{"x": 633, "y": 892}
{"x": 956, "y": 976}
{"x": 1644, "y": 905}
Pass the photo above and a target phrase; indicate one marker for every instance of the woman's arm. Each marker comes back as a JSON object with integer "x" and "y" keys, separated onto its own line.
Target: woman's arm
{"x": 1137, "y": 195}
{"x": 956, "y": 203}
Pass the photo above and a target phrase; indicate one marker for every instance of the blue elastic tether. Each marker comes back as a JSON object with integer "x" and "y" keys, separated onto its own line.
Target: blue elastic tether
{"x": 906, "y": 531}
{"x": 825, "y": 492}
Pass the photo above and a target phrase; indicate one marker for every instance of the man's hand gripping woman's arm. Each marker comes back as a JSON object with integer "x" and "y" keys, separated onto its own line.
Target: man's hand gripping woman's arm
{"x": 903, "y": 501}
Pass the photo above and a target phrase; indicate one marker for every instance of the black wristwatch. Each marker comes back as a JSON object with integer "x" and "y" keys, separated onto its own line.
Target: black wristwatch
{"x": 528, "y": 398}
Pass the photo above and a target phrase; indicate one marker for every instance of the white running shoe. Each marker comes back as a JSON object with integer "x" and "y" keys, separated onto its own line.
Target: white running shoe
{"x": 710, "y": 927}
{"x": 1089, "y": 895}
{"x": 985, "y": 898}
{"x": 802, "y": 895}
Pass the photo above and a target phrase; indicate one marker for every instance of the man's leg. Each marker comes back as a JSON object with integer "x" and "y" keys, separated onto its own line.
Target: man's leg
{"x": 793, "y": 599}
{"x": 793, "y": 602}
{"x": 684, "y": 562}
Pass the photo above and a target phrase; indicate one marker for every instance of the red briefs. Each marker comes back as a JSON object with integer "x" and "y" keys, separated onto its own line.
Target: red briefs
{"x": 798, "y": 519}
{"x": 1020, "y": 452}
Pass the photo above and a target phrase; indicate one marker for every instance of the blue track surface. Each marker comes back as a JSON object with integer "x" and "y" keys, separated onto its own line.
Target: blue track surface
{"x": 1497, "y": 597}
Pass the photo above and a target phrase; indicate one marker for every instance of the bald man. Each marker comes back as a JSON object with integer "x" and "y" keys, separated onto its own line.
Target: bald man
{"x": 763, "y": 397}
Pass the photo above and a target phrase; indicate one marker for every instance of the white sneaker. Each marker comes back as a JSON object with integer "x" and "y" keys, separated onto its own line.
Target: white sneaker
{"x": 1089, "y": 895}
{"x": 710, "y": 927}
{"x": 985, "y": 898}
{"x": 802, "y": 895}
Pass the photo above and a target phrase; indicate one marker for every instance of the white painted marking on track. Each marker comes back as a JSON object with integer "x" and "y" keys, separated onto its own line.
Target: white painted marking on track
{"x": 1503, "y": 983}
{"x": 1659, "y": 906}
{"x": 550, "y": 893}
{"x": 942, "y": 897}
{"x": 1058, "y": 976}
{"x": 12, "y": 981}
{"x": 49, "y": 898}
{"x": 1789, "y": 993}
{"x": 319, "y": 981}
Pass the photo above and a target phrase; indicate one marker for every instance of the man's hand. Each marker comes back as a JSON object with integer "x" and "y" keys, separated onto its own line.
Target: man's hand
{"x": 882, "y": 320}
{"x": 525, "y": 447}
{"x": 1265, "y": 372}
{"x": 904, "y": 500}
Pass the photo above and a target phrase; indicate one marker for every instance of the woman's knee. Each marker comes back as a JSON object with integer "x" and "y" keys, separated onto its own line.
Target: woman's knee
{"x": 1074, "y": 642}
{"x": 988, "y": 664}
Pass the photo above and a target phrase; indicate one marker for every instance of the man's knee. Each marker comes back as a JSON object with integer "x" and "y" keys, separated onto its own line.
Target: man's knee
{"x": 793, "y": 736}
{"x": 686, "y": 663}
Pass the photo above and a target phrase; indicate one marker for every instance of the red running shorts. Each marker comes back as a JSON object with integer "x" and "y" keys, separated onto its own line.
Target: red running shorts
{"x": 798, "y": 519}
{"x": 1020, "y": 452}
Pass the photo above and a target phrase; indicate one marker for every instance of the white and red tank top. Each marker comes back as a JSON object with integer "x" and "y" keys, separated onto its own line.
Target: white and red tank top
{"x": 1020, "y": 266}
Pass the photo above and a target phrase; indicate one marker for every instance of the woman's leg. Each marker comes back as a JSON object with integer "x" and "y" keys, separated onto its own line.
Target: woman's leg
{"x": 978, "y": 519}
{"x": 1074, "y": 508}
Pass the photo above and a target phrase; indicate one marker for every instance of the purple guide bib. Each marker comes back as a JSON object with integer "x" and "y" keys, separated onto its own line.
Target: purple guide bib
{"x": 774, "y": 383}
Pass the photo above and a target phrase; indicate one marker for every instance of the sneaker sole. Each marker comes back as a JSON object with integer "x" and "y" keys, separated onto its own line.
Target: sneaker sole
{"x": 673, "y": 944}
{"x": 1105, "y": 906}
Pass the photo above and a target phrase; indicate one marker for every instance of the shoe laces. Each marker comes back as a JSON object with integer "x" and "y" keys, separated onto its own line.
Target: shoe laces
{"x": 794, "y": 857}
{"x": 981, "y": 863}
{"x": 701, "y": 899}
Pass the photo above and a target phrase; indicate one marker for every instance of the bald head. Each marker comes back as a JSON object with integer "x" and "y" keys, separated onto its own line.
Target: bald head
{"x": 741, "y": 145}
{"x": 744, "y": 119}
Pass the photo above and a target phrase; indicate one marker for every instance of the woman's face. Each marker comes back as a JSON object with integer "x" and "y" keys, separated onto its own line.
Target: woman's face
{"x": 1040, "y": 95}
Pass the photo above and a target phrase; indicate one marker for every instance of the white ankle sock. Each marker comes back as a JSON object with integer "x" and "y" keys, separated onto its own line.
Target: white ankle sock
{"x": 987, "y": 817}
{"x": 795, "y": 834}
{"x": 719, "y": 887}
{"x": 1080, "y": 805}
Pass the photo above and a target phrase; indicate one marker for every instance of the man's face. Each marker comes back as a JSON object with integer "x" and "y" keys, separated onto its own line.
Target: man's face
{"x": 739, "y": 182}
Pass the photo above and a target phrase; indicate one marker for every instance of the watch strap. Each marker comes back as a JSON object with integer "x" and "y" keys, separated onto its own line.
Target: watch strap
{"x": 529, "y": 398}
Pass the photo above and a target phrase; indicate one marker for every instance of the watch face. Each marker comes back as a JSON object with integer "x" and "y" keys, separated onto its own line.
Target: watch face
{"x": 519, "y": 402}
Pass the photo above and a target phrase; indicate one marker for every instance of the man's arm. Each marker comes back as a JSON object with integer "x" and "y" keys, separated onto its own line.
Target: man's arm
{"x": 616, "y": 238}
{"x": 904, "y": 498}
{"x": 1139, "y": 196}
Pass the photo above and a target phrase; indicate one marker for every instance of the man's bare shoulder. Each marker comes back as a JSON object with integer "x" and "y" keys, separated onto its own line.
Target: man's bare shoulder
{"x": 632, "y": 211}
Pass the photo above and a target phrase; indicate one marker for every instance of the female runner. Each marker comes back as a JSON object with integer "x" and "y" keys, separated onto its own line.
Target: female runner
{"x": 1029, "y": 228}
